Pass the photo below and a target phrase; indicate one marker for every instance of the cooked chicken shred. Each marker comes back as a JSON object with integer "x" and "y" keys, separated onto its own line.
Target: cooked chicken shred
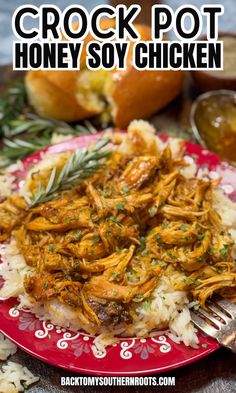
{"x": 101, "y": 247}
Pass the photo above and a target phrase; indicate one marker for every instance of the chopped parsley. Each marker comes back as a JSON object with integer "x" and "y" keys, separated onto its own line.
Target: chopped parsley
{"x": 77, "y": 235}
{"x": 163, "y": 264}
{"x": 142, "y": 240}
{"x": 200, "y": 258}
{"x": 152, "y": 211}
{"x": 120, "y": 206}
{"x": 115, "y": 274}
{"x": 171, "y": 255}
{"x": 115, "y": 219}
{"x": 138, "y": 297}
{"x": 154, "y": 262}
{"x": 145, "y": 252}
{"x": 201, "y": 236}
{"x": 95, "y": 239}
{"x": 196, "y": 282}
{"x": 147, "y": 305}
{"x": 196, "y": 306}
{"x": 165, "y": 225}
{"x": 183, "y": 227}
{"x": 224, "y": 251}
{"x": 125, "y": 190}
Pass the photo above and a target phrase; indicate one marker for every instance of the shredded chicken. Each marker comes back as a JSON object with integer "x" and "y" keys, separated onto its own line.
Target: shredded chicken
{"x": 102, "y": 246}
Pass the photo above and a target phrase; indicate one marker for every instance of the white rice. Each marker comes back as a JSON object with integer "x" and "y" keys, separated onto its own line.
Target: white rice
{"x": 12, "y": 270}
{"x": 7, "y": 178}
{"x": 189, "y": 171}
{"x": 48, "y": 162}
{"x": 227, "y": 210}
{"x": 168, "y": 308}
{"x": 15, "y": 378}
{"x": 6, "y": 184}
{"x": 7, "y": 348}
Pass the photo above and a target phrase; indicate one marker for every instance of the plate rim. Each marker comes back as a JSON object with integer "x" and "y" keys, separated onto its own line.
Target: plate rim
{"x": 79, "y": 369}
{"x": 65, "y": 146}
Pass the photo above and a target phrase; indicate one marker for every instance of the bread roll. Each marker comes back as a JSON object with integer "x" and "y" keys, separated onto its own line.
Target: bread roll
{"x": 120, "y": 95}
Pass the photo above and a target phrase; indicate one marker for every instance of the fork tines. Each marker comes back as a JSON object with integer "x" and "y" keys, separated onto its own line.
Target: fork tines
{"x": 219, "y": 322}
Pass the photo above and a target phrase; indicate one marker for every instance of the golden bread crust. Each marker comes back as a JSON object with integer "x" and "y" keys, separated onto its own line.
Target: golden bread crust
{"x": 133, "y": 94}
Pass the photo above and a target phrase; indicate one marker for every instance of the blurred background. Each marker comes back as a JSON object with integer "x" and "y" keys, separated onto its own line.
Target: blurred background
{"x": 227, "y": 22}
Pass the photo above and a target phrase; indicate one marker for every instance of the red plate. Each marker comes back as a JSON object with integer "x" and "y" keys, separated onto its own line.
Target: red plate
{"x": 130, "y": 356}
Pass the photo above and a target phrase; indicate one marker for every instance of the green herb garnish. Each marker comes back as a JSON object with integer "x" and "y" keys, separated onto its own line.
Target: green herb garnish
{"x": 37, "y": 134}
{"x": 147, "y": 305}
{"x": 138, "y": 297}
{"x": 152, "y": 211}
{"x": 120, "y": 206}
{"x": 142, "y": 240}
{"x": 125, "y": 190}
{"x": 201, "y": 236}
{"x": 12, "y": 104}
{"x": 196, "y": 306}
{"x": 80, "y": 165}
{"x": 154, "y": 262}
{"x": 115, "y": 274}
{"x": 95, "y": 239}
{"x": 224, "y": 251}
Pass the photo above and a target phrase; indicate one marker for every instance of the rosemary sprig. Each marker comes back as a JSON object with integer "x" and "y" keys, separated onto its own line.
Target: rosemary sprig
{"x": 17, "y": 149}
{"x": 80, "y": 165}
{"x": 24, "y": 133}
{"x": 38, "y": 134}
{"x": 12, "y": 104}
{"x": 15, "y": 118}
{"x": 33, "y": 124}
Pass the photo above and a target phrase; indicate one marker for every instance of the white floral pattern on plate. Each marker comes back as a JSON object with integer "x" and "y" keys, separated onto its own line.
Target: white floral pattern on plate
{"x": 83, "y": 343}
{"x": 79, "y": 354}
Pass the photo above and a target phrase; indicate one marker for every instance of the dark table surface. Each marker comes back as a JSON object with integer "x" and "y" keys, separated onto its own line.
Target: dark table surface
{"x": 213, "y": 374}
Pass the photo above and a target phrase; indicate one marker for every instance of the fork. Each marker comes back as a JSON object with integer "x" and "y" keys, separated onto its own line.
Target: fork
{"x": 220, "y": 324}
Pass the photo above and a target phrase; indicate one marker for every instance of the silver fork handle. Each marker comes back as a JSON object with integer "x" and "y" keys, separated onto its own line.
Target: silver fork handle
{"x": 229, "y": 340}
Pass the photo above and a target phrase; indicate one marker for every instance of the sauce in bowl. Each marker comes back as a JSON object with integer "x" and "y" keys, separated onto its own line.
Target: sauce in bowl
{"x": 213, "y": 118}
